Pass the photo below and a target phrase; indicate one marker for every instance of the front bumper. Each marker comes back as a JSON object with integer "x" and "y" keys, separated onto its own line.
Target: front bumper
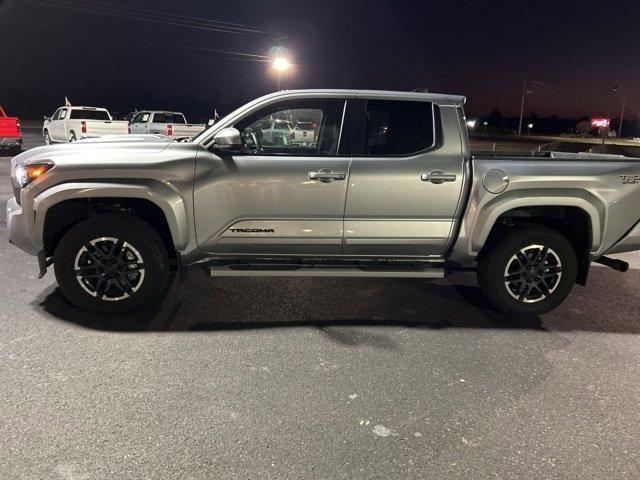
{"x": 10, "y": 142}
{"x": 20, "y": 225}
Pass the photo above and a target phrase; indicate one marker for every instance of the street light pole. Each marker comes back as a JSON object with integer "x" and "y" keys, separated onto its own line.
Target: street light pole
{"x": 624, "y": 103}
{"x": 524, "y": 93}
{"x": 609, "y": 114}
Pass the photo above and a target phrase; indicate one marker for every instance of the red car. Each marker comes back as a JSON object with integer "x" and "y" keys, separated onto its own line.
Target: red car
{"x": 10, "y": 134}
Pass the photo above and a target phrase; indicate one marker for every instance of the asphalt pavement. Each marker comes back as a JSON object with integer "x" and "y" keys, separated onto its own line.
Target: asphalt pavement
{"x": 317, "y": 379}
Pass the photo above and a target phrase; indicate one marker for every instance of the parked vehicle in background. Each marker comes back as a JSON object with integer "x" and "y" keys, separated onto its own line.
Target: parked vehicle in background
{"x": 305, "y": 132}
{"x": 172, "y": 124}
{"x": 129, "y": 116}
{"x": 10, "y": 133}
{"x": 274, "y": 131}
{"x": 68, "y": 124}
{"x": 389, "y": 189}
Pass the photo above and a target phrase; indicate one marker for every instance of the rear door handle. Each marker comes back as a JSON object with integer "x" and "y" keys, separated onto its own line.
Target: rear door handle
{"x": 327, "y": 175}
{"x": 438, "y": 177}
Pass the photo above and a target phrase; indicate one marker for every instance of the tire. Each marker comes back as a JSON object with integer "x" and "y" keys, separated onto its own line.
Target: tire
{"x": 520, "y": 250}
{"x": 72, "y": 136}
{"x": 13, "y": 151}
{"x": 47, "y": 138}
{"x": 106, "y": 247}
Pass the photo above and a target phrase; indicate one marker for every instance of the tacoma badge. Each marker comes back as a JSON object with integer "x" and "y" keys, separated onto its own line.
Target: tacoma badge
{"x": 630, "y": 178}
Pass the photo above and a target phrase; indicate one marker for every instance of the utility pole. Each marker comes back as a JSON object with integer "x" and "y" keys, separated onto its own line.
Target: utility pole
{"x": 609, "y": 114}
{"x": 624, "y": 103}
{"x": 524, "y": 93}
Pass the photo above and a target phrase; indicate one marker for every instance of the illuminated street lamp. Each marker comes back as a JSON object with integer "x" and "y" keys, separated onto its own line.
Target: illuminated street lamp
{"x": 281, "y": 65}
{"x": 471, "y": 124}
{"x": 529, "y": 126}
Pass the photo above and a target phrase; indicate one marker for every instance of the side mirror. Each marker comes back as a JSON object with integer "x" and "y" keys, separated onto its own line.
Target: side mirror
{"x": 47, "y": 119}
{"x": 227, "y": 140}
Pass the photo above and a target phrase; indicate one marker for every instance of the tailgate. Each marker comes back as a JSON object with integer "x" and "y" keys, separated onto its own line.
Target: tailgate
{"x": 187, "y": 130}
{"x": 9, "y": 127}
{"x": 106, "y": 127}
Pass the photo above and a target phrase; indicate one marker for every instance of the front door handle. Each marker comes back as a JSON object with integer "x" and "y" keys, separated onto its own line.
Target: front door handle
{"x": 327, "y": 175}
{"x": 438, "y": 177}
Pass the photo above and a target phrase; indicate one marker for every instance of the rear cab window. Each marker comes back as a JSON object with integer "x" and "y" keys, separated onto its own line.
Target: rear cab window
{"x": 174, "y": 118}
{"x": 89, "y": 115}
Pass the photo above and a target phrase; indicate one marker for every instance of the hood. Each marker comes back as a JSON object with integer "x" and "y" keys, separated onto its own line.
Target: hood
{"x": 127, "y": 138}
{"x": 97, "y": 149}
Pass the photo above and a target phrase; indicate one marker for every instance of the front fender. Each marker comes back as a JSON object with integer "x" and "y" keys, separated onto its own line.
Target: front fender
{"x": 166, "y": 198}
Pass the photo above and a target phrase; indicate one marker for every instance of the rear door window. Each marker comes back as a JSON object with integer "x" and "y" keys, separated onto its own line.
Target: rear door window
{"x": 159, "y": 118}
{"x": 398, "y": 127}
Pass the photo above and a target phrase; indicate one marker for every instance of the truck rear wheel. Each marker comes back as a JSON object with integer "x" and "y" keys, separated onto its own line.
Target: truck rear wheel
{"x": 529, "y": 271}
{"x": 111, "y": 263}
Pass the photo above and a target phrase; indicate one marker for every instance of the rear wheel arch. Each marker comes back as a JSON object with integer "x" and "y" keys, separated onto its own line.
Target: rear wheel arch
{"x": 573, "y": 223}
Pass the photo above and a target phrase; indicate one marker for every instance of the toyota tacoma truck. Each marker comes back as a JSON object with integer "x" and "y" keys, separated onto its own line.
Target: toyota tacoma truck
{"x": 172, "y": 124}
{"x": 68, "y": 124}
{"x": 390, "y": 189}
{"x": 10, "y": 133}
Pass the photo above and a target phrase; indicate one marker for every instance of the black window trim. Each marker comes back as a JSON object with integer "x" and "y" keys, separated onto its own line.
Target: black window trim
{"x": 436, "y": 125}
{"x": 283, "y": 100}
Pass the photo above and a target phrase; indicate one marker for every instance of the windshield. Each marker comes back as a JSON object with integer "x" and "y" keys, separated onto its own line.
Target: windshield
{"x": 206, "y": 132}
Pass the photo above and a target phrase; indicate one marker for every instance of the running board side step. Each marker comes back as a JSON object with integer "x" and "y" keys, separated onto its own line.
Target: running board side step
{"x": 246, "y": 271}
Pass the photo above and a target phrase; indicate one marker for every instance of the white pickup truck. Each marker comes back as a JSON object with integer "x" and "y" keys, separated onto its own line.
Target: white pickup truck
{"x": 69, "y": 124}
{"x": 172, "y": 124}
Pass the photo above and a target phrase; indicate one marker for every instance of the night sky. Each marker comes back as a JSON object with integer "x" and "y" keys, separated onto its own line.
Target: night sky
{"x": 140, "y": 56}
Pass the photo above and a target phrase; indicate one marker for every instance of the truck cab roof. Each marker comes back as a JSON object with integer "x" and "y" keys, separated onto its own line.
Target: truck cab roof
{"x": 439, "y": 98}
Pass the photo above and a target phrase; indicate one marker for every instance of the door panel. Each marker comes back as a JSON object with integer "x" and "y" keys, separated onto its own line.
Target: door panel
{"x": 403, "y": 205}
{"x": 56, "y": 131}
{"x": 275, "y": 197}
{"x": 249, "y": 204}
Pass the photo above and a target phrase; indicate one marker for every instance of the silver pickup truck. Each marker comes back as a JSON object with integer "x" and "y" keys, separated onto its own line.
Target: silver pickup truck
{"x": 172, "y": 124}
{"x": 389, "y": 189}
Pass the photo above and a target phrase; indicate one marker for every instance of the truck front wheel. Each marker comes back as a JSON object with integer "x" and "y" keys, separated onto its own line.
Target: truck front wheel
{"x": 111, "y": 263}
{"x": 528, "y": 271}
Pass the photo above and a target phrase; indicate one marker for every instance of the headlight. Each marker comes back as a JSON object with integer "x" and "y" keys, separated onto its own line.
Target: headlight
{"x": 26, "y": 173}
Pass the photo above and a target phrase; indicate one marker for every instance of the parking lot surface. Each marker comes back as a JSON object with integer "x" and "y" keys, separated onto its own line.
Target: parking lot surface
{"x": 317, "y": 378}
